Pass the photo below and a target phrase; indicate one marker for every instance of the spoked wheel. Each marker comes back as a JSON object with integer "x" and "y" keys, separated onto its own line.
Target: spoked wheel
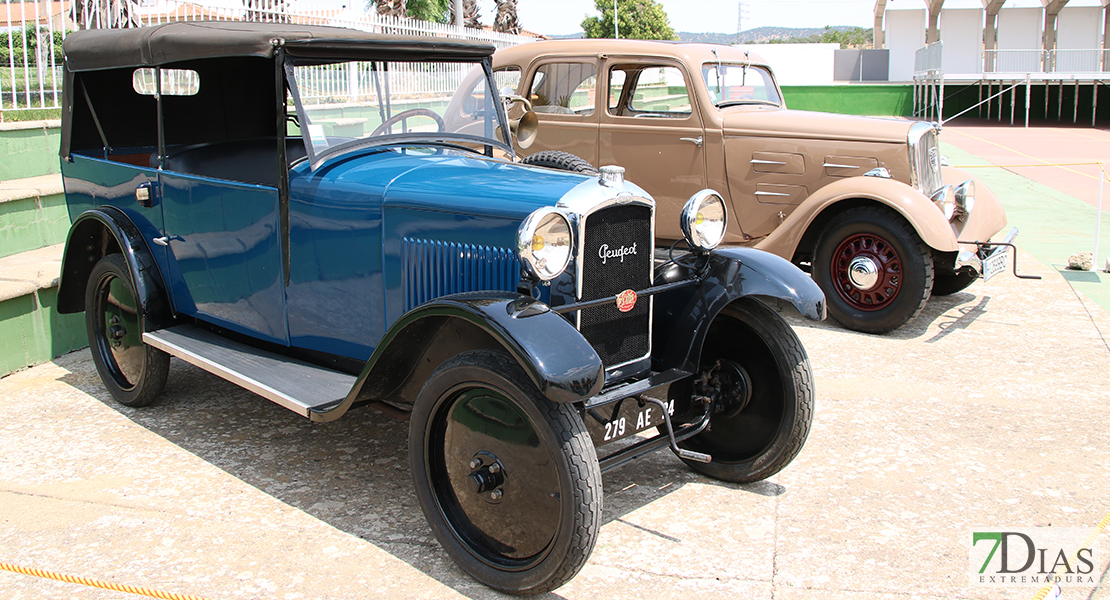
{"x": 508, "y": 480}
{"x": 754, "y": 368}
{"x": 875, "y": 271}
{"x": 133, "y": 372}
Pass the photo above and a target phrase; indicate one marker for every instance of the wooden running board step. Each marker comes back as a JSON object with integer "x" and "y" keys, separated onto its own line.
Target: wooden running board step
{"x": 297, "y": 385}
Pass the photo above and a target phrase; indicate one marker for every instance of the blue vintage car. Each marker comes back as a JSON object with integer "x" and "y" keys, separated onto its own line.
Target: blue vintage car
{"x": 334, "y": 219}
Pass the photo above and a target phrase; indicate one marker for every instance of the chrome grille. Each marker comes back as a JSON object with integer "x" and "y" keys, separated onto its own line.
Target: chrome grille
{"x": 605, "y": 270}
{"x": 925, "y": 158}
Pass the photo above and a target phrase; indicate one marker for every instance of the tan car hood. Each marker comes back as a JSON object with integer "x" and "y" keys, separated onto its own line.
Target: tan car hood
{"x": 767, "y": 121}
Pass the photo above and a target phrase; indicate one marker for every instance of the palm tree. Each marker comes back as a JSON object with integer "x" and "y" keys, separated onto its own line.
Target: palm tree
{"x": 506, "y": 20}
{"x": 470, "y": 13}
{"x": 392, "y": 8}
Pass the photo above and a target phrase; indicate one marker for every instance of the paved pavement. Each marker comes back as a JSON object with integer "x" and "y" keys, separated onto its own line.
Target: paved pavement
{"x": 989, "y": 410}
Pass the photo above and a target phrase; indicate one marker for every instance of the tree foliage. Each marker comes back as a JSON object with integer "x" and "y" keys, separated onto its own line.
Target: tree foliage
{"x": 506, "y": 20}
{"x": 848, "y": 38}
{"x": 34, "y": 53}
{"x": 638, "y": 19}
{"x": 429, "y": 10}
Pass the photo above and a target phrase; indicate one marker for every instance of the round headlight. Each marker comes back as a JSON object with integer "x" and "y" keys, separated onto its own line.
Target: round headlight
{"x": 945, "y": 199}
{"x": 965, "y": 198}
{"x": 544, "y": 243}
{"x": 704, "y": 219}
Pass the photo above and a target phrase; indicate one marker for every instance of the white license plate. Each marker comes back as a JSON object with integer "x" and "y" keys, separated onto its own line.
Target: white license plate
{"x": 996, "y": 263}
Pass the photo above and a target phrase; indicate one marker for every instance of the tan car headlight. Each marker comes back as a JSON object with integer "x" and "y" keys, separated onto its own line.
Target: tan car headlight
{"x": 704, "y": 219}
{"x": 965, "y": 199}
{"x": 945, "y": 199}
{"x": 544, "y": 243}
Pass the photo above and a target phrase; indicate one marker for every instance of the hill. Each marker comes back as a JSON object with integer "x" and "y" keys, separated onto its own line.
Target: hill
{"x": 759, "y": 35}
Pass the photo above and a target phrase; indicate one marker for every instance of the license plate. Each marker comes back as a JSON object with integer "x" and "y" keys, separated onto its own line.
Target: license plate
{"x": 623, "y": 419}
{"x": 996, "y": 263}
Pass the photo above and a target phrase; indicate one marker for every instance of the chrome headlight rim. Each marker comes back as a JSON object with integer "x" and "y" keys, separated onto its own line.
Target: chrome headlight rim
{"x": 945, "y": 200}
{"x": 696, "y": 234}
{"x": 965, "y": 199}
{"x": 543, "y": 267}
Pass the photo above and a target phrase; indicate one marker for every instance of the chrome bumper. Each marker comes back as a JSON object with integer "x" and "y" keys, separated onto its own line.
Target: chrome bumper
{"x": 986, "y": 250}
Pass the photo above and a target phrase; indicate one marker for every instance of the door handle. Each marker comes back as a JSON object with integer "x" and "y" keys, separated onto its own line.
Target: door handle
{"x": 697, "y": 140}
{"x": 165, "y": 240}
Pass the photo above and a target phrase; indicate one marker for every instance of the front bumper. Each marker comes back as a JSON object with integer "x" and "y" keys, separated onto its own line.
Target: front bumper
{"x": 990, "y": 258}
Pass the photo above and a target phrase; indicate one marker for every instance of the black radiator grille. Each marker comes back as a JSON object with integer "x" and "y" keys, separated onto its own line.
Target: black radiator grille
{"x": 617, "y": 250}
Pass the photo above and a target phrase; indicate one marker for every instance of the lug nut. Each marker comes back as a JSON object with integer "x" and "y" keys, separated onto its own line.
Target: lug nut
{"x": 495, "y": 468}
{"x": 475, "y": 463}
{"x": 496, "y": 495}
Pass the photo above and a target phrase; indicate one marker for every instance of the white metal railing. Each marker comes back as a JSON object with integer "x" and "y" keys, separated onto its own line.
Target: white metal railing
{"x": 1076, "y": 61}
{"x": 1015, "y": 61}
{"x": 928, "y": 58}
{"x": 30, "y": 65}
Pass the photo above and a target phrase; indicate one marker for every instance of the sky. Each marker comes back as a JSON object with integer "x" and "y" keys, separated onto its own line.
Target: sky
{"x": 558, "y": 17}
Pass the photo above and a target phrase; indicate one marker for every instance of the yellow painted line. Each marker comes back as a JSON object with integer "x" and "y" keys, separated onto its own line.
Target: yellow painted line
{"x": 130, "y": 589}
{"x": 1044, "y": 163}
{"x": 1041, "y": 593}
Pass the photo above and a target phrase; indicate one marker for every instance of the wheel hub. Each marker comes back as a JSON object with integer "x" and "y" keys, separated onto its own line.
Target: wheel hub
{"x": 728, "y": 385}
{"x": 863, "y": 273}
{"x": 866, "y": 272}
{"x": 487, "y": 476}
{"x": 116, "y": 332}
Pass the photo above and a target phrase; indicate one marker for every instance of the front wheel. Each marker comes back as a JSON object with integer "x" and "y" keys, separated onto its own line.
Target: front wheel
{"x": 875, "y": 271}
{"x": 134, "y": 373}
{"x": 756, "y": 371}
{"x": 508, "y": 480}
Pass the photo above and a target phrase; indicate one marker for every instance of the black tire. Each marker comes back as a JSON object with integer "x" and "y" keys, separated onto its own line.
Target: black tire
{"x": 949, "y": 282}
{"x": 535, "y": 536}
{"x": 564, "y": 161}
{"x": 884, "y": 241}
{"x": 133, "y": 372}
{"x": 757, "y": 427}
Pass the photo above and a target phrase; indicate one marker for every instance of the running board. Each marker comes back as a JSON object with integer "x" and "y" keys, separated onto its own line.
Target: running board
{"x": 299, "y": 386}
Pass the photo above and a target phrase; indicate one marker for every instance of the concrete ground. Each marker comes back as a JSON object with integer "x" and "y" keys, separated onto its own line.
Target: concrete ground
{"x": 989, "y": 410}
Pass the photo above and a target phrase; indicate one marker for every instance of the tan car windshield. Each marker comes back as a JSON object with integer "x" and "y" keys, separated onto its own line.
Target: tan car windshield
{"x": 731, "y": 84}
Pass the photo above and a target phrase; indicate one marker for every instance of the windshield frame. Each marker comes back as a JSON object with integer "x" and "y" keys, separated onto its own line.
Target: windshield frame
{"x": 718, "y": 65}
{"x": 456, "y": 140}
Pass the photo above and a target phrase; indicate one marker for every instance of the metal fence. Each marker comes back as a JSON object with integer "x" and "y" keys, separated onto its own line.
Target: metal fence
{"x": 31, "y": 34}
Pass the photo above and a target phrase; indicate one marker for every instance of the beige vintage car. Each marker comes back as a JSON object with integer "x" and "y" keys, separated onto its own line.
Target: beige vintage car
{"x": 864, "y": 204}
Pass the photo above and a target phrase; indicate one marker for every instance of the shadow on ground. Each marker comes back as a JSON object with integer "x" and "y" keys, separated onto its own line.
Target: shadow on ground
{"x": 352, "y": 473}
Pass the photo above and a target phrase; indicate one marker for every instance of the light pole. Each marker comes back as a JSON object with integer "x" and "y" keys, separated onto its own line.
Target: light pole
{"x": 616, "y": 23}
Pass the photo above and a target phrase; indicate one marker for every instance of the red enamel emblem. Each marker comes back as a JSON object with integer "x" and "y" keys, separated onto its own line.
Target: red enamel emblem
{"x": 626, "y": 300}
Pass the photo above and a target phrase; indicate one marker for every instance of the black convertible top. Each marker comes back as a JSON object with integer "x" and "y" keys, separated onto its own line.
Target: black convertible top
{"x": 94, "y": 49}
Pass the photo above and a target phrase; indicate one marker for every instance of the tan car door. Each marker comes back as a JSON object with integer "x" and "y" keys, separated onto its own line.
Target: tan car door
{"x": 652, "y": 128}
{"x": 563, "y": 92}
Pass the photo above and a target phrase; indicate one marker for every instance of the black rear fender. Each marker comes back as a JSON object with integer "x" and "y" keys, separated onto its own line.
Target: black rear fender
{"x": 97, "y": 233}
{"x": 556, "y": 357}
{"x": 684, "y": 316}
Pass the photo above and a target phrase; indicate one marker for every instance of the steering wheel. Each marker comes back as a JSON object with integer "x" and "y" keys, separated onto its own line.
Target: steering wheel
{"x": 404, "y": 116}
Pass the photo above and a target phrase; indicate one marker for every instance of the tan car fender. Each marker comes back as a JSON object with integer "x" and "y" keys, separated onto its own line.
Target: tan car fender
{"x": 803, "y": 225}
{"x": 987, "y": 217}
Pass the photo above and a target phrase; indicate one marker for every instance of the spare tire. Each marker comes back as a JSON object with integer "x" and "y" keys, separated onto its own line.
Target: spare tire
{"x": 564, "y": 161}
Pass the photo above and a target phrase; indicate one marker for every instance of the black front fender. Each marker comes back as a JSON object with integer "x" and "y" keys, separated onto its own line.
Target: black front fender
{"x": 101, "y": 231}
{"x": 683, "y": 316}
{"x": 561, "y": 363}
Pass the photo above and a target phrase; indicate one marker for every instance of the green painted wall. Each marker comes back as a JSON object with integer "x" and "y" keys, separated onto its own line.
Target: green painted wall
{"x": 887, "y": 100}
{"x": 32, "y": 223}
{"x": 33, "y": 332}
{"x": 29, "y": 151}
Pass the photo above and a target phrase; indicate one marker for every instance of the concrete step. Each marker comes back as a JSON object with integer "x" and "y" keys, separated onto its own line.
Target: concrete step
{"x": 31, "y": 329}
{"x": 29, "y": 149}
{"x": 33, "y": 214}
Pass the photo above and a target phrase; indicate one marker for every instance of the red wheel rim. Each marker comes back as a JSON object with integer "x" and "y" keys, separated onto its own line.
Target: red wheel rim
{"x": 867, "y": 272}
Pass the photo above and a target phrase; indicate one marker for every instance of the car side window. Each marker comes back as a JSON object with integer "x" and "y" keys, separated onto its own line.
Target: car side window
{"x": 564, "y": 88}
{"x": 507, "y": 77}
{"x": 648, "y": 91}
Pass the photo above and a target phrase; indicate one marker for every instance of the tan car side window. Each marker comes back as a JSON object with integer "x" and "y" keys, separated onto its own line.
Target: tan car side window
{"x": 564, "y": 88}
{"x": 507, "y": 77}
{"x": 648, "y": 91}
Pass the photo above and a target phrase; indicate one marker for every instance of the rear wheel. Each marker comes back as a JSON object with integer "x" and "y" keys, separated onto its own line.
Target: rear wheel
{"x": 564, "y": 161}
{"x": 875, "y": 271}
{"x": 508, "y": 480}
{"x": 754, "y": 367}
{"x": 133, "y": 372}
